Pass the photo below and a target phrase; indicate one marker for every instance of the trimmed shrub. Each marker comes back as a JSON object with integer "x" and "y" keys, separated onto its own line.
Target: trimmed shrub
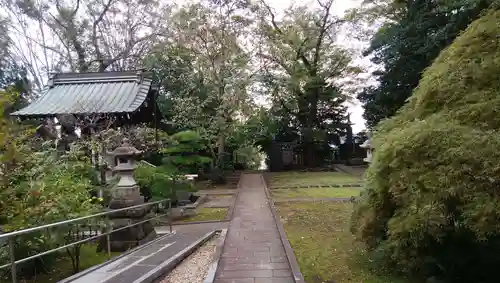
{"x": 161, "y": 182}
{"x": 432, "y": 204}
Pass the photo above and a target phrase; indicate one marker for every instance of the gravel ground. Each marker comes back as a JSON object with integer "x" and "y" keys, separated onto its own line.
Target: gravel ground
{"x": 194, "y": 268}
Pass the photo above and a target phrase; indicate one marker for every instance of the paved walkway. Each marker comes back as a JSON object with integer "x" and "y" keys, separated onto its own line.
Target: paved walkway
{"x": 253, "y": 252}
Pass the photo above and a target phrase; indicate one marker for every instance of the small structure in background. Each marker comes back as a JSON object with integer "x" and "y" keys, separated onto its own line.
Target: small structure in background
{"x": 367, "y": 145}
{"x": 126, "y": 193}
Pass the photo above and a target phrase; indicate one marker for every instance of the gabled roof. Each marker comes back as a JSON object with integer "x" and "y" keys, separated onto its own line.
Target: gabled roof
{"x": 86, "y": 93}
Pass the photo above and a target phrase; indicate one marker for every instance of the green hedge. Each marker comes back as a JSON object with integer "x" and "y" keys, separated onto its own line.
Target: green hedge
{"x": 432, "y": 204}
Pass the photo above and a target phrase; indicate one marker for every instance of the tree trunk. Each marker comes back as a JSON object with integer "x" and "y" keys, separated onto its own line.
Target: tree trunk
{"x": 220, "y": 152}
{"x": 308, "y": 111}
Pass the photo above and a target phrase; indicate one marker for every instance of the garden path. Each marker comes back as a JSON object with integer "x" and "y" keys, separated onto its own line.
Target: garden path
{"x": 253, "y": 251}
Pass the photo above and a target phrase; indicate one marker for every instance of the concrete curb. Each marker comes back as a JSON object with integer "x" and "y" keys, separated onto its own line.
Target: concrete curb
{"x": 90, "y": 269}
{"x": 284, "y": 200}
{"x": 229, "y": 214}
{"x": 347, "y": 185}
{"x": 197, "y": 222}
{"x": 292, "y": 260}
{"x": 170, "y": 264}
{"x": 196, "y": 203}
{"x": 212, "y": 269}
{"x": 343, "y": 168}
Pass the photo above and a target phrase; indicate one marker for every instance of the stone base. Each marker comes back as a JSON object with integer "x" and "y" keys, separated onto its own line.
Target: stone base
{"x": 129, "y": 238}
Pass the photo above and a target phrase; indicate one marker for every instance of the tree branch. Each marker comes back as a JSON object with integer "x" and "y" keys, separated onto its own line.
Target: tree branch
{"x": 300, "y": 53}
{"x": 96, "y": 22}
{"x": 322, "y": 31}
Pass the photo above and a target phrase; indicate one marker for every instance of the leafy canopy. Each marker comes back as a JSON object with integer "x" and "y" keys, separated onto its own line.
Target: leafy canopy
{"x": 413, "y": 35}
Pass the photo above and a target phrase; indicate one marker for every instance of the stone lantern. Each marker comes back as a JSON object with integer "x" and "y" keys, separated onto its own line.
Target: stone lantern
{"x": 369, "y": 149}
{"x": 126, "y": 193}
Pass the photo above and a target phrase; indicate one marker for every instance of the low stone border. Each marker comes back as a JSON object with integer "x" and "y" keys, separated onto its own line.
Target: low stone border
{"x": 209, "y": 193}
{"x": 292, "y": 260}
{"x": 218, "y": 206}
{"x": 91, "y": 269}
{"x": 196, "y": 203}
{"x": 212, "y": 269}
{"x": 345, "y": 169}
{"x": 170, "y": 264}
{"x": 198, "y": 222}
{"x": 318, "y": 186}
{"x": 283, "y": 200}
{"x": 230, "y": 212}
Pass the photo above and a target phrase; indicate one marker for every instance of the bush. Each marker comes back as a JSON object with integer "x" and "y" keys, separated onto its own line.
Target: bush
{"x": 160, "y": 182}
{"x": 44, "y": 188}
{"x": 432, "y": 204}
{"x": 184, "y": 150}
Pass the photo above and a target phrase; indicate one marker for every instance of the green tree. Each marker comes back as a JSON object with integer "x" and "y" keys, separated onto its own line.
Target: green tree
{"x": 38, "y": 187}
{"x": 413, "y": 35}
{"x": 431, "y": 206}
{"x": 183, "y": 152}
{"x": 303, "y": 68}
{"x": 210, "y": 88}
{"x": 83, "y": 36}
{"x": 12, "y": 76}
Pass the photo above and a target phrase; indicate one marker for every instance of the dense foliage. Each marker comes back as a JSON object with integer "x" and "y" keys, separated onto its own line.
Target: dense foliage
{"x": 183, "y": 152}
{"x": 303, "y": 73}
{"x": 39, "y": 186}
{"x": 412, "y": 37}
{"x": 432, "y": 203}
{"x": 158, "y": 183}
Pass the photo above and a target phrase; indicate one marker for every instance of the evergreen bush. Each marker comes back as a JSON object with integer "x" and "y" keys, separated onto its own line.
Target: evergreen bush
{"x": 432, "y": 203}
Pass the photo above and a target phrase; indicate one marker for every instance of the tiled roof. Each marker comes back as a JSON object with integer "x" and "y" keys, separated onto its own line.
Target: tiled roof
{"x": 85, "y": 93}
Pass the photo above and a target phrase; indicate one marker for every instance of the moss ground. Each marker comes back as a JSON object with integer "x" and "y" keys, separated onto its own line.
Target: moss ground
{"x": 206, "y": 214}
{"x": 283, "y": 179}
{"x": 325, "y": 249}
{"x": 343, "y": 192}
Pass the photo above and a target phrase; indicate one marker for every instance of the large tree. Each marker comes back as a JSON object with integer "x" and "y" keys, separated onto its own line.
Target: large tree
{"x": 412, "y": 36}
{"x": 304, "y": 67}
{"x": 82, "y": 35}
{"x": 206, "y": 70}
{"x": 13, "y": 77}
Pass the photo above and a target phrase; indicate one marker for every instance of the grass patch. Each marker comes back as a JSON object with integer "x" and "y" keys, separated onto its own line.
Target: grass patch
{"x": 343, "y": 192}
{"x": 325, "y": 249}
{"x": 221, "y": 196}
{"x": 311, "y": 178}
{"x": 64, "y": 268}
{"x": 206, "y": 214}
